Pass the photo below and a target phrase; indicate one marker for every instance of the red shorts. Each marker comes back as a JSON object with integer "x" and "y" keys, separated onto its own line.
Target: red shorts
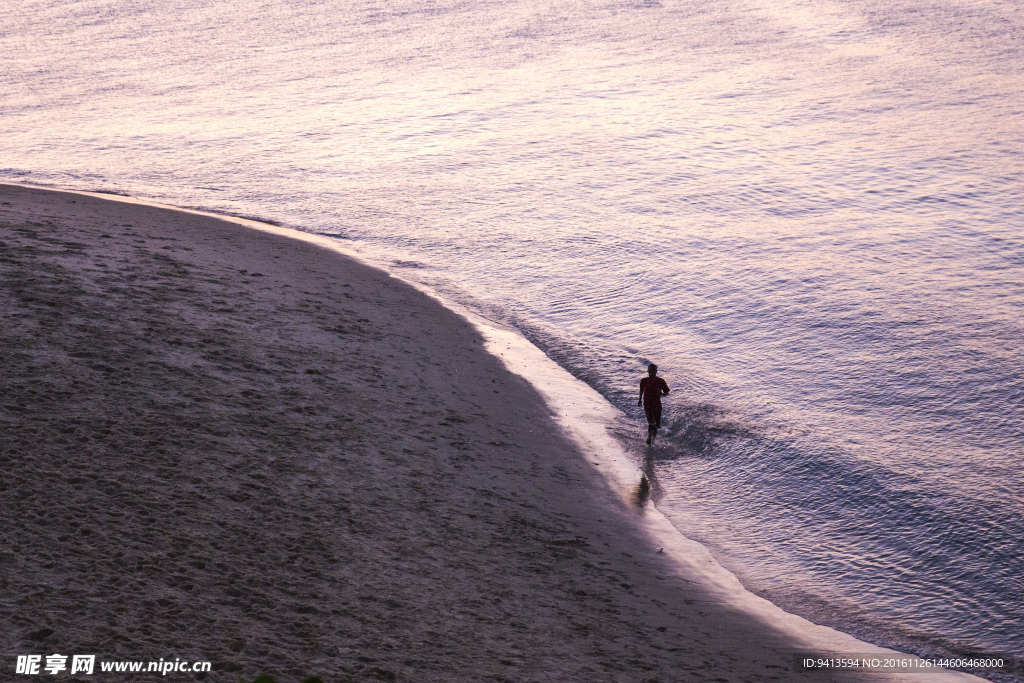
{"x": 653, "y": 411}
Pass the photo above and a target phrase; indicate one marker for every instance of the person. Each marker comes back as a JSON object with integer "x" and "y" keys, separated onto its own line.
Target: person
{"x": 652, "y": 388}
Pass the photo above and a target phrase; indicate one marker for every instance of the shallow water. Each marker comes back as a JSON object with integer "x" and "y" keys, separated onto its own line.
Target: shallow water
{"x": 809, "y": 214}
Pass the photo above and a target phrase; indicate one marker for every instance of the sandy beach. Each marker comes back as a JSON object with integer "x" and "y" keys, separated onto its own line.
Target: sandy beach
{"x": 225, "y": 445}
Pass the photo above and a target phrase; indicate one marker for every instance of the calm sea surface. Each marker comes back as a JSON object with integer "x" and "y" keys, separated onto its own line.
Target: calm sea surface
{"x": 810, "y": 214}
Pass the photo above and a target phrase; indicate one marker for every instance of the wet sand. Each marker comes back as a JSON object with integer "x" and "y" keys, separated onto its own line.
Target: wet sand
{"x": 221, "y": 444}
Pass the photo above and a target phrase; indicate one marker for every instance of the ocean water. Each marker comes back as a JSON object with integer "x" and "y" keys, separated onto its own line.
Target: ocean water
{"x": 810, "y": 214}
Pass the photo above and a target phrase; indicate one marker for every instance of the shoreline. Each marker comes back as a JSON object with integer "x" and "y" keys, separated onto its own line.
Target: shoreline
{"x": 558, "y": 521}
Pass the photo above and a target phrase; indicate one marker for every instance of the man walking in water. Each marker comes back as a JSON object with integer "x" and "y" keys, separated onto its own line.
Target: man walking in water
{"x": 652, "y": 388}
